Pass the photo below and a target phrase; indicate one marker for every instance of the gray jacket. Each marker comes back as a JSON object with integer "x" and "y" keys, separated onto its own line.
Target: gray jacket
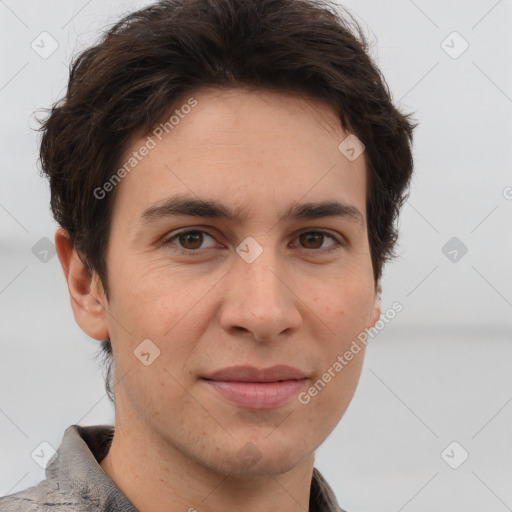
{"x": 75, "y": 482}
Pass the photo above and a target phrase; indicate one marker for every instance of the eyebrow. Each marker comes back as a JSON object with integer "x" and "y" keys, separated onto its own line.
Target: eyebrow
{"x": 186, "y": 206}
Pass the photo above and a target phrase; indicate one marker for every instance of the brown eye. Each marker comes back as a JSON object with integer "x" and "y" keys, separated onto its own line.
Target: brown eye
{"x": 312, "y": 240}
{"x": 315, "y": 241}
{"x": 191, "y": 240}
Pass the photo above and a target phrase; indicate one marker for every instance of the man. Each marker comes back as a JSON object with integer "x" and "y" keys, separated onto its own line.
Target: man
{"x": 226, "y": 175}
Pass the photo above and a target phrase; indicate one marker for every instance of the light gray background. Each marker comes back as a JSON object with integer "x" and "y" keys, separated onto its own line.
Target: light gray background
{"x": 440, "y": 372}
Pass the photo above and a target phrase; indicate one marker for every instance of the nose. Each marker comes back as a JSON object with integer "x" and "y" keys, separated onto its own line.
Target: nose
{"x": 260, "y": 300}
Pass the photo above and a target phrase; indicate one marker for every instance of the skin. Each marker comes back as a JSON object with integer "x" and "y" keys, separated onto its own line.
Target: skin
{"x": 176, "y": 442}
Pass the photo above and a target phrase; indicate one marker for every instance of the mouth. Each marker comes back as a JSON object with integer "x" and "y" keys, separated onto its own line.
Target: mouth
{"x": 258, "y": 389}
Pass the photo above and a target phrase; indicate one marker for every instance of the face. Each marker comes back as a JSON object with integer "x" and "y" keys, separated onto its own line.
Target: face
{"x": 260, "y": 276}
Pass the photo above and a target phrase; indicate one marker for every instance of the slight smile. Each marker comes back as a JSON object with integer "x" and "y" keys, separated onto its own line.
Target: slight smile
{"x": 258, "y": 389}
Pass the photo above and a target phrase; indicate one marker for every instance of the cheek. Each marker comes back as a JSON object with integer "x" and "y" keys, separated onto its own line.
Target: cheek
{"x": 330, "y": 394}
{"x": 148, "y": 298}
{"x": 345, "y": 307}
{"x": 342, "y": 353}
{"x": 156, "y": 393}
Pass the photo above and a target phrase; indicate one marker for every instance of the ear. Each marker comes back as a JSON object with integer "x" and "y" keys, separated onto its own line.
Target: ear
{"x": 375, "y": 308}
{"x": 85, "y": 291}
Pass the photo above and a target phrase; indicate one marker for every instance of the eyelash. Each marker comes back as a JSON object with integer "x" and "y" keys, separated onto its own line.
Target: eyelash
{"x": 193, "y": 252}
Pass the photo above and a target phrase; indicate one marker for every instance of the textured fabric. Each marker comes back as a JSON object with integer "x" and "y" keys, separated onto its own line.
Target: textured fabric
{"x": 76, "y": 482}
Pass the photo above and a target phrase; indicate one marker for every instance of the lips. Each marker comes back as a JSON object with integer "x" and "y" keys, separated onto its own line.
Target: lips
{"x": 251, "y": 374}
{"x": 252, "y": 388}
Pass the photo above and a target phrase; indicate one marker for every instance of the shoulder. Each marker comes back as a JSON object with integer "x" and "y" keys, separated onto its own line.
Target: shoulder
{"x": 23, "y": 501}
{"x": 45, "y": 496}
{"x": 74, "y": 480}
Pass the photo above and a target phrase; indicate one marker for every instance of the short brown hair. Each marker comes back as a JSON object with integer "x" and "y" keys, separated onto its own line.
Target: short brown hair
{"x": 126, "y": 83}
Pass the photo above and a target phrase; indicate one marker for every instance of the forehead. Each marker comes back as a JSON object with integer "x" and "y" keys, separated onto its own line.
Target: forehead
{"x": 243, "y": 147}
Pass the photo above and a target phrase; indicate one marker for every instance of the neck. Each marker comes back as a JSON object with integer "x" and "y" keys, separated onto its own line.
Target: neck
{"x": 156, "y": 475}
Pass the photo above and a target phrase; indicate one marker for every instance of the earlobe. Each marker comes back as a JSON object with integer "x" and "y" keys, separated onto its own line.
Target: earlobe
{"x": 86, "y": 295}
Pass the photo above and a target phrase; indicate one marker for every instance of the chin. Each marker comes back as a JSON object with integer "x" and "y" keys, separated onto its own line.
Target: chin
{"x": 271, "y": 459}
